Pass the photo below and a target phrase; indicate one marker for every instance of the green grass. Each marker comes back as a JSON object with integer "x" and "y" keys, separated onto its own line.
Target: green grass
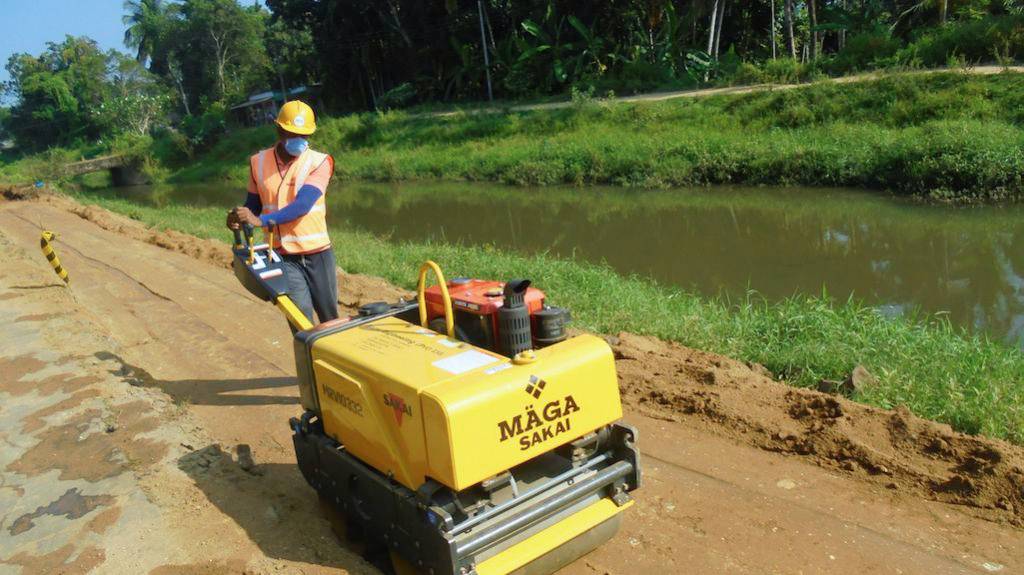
{"x": 941, "y": 373}
{"x": 947, "y": 135}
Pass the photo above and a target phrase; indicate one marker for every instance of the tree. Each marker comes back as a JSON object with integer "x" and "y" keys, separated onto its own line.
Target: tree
{"x": 712, "y": 27}
{"x": 55, "y": 92}
{"x": 790, "y": 38}
{"x": 717, "y": 31}
{"x": 812, "y": 12}
{"x": 291, "y": 53}
{"x": 148, "y": 25}
{"x": 135, "y": 100}
{"x": 219, "y": 50}
{"x": 5, "y": 114}
{"x": 73, "y": 92}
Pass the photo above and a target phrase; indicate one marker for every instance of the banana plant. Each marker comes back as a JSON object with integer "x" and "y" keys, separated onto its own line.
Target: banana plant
{"x": 465, "y": 73}
{"x": 591, "y": 50}
{"x": 546, "y": 47}
{"x": 700, "y": 65}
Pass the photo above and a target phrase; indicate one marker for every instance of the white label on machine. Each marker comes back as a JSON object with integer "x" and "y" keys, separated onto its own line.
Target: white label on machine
{"x": 498, "y": 368}
{"x": 465, "y": 361}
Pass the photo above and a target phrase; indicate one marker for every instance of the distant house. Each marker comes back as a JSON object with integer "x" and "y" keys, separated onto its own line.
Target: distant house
{"x": 261, "y": 108}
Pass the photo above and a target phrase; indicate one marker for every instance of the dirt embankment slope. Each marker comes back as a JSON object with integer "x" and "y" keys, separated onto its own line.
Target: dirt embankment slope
{"x": 744, "y": 473}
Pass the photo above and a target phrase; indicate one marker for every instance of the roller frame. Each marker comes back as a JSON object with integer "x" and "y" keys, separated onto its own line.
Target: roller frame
{"x": 424, "y": 534}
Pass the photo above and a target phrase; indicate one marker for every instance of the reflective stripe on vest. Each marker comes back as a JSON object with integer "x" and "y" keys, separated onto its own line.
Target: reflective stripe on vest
{"x": 309, "y": 232}
{"x": 316, "y": 236}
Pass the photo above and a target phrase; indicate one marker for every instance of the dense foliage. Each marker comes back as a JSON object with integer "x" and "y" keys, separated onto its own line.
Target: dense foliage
{"x": 192, "y": 58}
{"x": 432, "y": 51}
{"x": 75, "y": 92}
{"x": 200, "y": 57}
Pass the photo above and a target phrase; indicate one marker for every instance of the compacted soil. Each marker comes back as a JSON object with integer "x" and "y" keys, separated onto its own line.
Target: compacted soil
{"x": 143, "y": 429}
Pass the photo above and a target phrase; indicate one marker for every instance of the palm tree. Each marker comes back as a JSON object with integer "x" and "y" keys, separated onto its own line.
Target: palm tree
{"x": 146, "y": 22}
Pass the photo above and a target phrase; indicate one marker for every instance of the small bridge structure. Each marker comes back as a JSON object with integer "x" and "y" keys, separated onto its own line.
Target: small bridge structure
{"x": 123, "y": 170}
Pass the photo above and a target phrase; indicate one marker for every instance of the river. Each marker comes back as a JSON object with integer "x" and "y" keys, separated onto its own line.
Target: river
{"x": 898, "y": 255}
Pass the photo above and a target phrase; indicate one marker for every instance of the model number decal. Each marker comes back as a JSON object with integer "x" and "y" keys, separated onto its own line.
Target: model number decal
{"x": 344, "y": 401}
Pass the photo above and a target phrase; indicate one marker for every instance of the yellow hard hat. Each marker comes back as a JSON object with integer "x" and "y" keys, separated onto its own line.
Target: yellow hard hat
{"x": 296, "y": 117}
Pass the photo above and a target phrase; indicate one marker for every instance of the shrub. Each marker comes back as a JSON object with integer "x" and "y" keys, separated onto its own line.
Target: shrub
{"x": 398, "y": 97}
{"x": 204, "y": 129}
{"x": 171, "y": 147}
{"x": 863, "y": 52}
{"x": 746, "y": 74}
{"x": 785, "y": 71}
{"x": 633, "y": 77}
{"x": 996, "y": 38}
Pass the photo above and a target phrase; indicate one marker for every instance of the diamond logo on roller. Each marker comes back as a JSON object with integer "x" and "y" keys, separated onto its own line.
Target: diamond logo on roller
{"x": 536, "y": 386}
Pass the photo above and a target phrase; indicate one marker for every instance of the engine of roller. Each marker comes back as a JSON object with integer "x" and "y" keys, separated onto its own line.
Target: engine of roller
{"x": 462, "y": 433}
{"x": 504, "y": 317}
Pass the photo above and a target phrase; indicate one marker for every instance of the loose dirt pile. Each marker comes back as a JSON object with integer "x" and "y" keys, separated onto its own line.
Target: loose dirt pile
{"x": 892, "y": 447}
{"x": 741, "y": 401}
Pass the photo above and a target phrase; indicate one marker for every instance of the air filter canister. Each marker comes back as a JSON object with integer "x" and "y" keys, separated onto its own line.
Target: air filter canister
{"x": 514, "y": 319}
{"x": 551, "y": 324}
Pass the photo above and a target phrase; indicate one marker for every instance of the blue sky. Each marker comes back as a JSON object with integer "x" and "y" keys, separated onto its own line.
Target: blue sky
{"x": 33, "y": 23}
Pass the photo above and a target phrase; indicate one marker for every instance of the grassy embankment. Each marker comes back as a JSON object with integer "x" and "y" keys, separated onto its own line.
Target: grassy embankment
{"x": 939, "y": 372}
{"x": 947, "y": 135}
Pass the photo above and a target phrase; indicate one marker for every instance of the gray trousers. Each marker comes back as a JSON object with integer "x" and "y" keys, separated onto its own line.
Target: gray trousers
{"x": 313, "y": 283}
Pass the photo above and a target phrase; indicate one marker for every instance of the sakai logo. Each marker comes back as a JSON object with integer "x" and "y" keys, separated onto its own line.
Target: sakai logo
{"x": 537, "y": 426}
{"x": 398, "y": 405}
{"x": 536, "y": 386}
{"x": 344, "y": 401}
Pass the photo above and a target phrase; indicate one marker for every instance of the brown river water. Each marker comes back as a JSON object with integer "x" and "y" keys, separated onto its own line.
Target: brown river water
{"x": 900, "y": 256}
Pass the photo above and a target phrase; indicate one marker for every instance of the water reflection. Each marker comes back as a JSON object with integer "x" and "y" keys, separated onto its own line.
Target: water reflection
{"x": 897, "y": 255}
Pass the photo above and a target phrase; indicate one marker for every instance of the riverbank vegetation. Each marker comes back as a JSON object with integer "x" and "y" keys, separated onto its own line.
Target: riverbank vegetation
{"x": 947, "y": 135}
{"x": 939, "y": 372}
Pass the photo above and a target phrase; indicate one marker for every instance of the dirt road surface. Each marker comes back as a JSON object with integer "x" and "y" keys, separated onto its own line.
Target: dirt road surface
{"x": 706, "y": 92}
{"x": 143, "y": 423}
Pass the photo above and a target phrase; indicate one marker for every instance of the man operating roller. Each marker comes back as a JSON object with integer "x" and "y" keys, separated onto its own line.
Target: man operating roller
{"x": 287, "y": 189}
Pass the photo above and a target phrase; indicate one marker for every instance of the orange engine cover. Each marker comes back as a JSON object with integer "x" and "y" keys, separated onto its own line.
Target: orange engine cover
{"x": 479, "y": 297}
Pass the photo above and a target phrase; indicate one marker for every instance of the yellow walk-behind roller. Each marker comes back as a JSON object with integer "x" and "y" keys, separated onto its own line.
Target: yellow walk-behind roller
{"x": 463, "y": 433}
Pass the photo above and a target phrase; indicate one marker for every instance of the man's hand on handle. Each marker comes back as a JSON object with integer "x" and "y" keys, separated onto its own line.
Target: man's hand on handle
{"x": 242, "y": 215}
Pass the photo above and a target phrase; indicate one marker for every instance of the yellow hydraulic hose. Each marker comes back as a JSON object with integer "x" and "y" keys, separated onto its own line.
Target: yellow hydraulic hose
{"x": 44, "y": 244}
{"x": 421, "y": 297}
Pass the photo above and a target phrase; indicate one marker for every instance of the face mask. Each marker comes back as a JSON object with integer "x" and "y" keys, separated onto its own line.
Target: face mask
{"x": 295, "y": 146}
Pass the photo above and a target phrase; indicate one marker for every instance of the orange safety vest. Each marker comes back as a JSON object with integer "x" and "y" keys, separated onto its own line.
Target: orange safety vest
{"x": 309, "y": 232}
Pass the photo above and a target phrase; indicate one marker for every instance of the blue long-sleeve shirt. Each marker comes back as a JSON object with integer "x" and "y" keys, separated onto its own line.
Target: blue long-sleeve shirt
{"x": 304, "y": 202}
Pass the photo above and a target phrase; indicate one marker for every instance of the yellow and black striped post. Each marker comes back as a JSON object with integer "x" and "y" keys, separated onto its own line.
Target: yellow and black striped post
{"x": 44, "y": 244}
